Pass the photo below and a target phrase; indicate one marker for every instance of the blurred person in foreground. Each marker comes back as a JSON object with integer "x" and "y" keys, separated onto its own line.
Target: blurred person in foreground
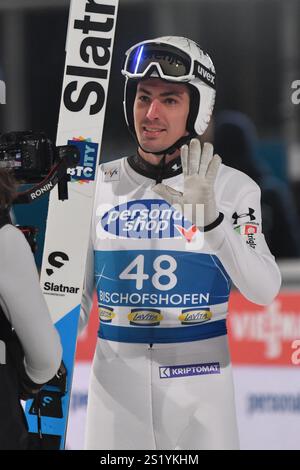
{"x": 29, "y": 343}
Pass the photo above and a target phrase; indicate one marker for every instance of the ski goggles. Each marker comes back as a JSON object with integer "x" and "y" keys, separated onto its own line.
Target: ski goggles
{"x": 171, "y": 63}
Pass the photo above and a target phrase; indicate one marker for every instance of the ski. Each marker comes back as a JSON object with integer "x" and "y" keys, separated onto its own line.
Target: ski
{"x": 89, "y": 47}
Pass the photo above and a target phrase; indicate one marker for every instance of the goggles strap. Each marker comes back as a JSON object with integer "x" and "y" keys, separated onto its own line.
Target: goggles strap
{"x": 206, "y": 75}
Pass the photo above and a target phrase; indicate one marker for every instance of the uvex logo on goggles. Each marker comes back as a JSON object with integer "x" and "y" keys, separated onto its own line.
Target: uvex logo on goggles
{"x": 169, "y": 61}
{"x": 206, "y": 75}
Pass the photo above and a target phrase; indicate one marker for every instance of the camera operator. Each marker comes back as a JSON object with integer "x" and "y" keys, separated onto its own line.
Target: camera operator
{"x": 30, "y": 349}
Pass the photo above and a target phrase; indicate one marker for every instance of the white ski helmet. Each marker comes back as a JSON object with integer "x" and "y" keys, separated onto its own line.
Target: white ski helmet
{"x": 175, "y": 59}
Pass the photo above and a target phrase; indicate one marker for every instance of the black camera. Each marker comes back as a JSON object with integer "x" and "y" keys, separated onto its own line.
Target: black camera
{"x": 29, "y": 154}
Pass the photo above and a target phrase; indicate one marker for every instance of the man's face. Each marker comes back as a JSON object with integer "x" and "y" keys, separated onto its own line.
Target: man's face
{"x": 160, "y": 113}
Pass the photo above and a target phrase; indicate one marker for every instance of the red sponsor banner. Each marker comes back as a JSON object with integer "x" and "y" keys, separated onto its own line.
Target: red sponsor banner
{"x": 265, "y": 335}
{"x": 87, "y": 340}
{"x": 257, "y": 335}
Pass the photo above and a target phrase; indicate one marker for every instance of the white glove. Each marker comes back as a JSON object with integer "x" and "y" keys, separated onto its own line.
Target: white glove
{"x": 199, "y": 172}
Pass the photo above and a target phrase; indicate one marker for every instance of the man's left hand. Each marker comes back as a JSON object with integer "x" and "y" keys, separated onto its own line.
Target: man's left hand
{"x": 200, "y": 169}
